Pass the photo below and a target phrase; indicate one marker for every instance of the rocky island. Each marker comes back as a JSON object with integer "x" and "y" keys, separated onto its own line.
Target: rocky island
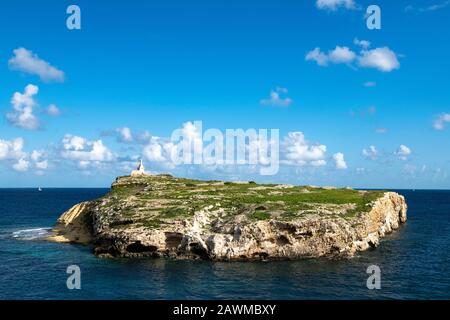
{"x": 164, "y": 216}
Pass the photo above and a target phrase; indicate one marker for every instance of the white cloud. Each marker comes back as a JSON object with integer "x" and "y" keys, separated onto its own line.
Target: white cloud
{"x": 338, "y": 55}
{"x": 403, "y": 152}
{"x": 21, "y": 165}
{"x": 42, "y": 165}
{"x": 383, "y": 59}
{"x": 11, "y": 149}
{"x": 26, "y": 61}
{"x": 362, "y": 43}
{"x": 296, "y": 150}
{"x": 53, "y": 110}
{"x": 318, "y": 163}
{"x": 22, "y": 114}
{"x": 74, "y": 143}
{"x": 441, "y": 120}
{"x": 187, "y": 140}
{"x": 80, "y": 149}
{"x": 276, "y": 100}
{"x": 341, "y": 55}
{"x": 158, "y": 150}
{"x": 143, "y": 137}
{"x": 125, "y": 134}
{"x": 335, "y": 4}
{"x": 371, "y": 153}
{"x": 38, "y": 156}
{"x": 434, "y": 7}
{"x": 437, "y": 6}
{"x": 339, "y": 161}
{"x": 318, "y": 56}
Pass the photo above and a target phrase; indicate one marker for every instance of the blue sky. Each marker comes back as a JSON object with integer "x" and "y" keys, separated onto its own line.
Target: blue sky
{"x": 154, "y": 66}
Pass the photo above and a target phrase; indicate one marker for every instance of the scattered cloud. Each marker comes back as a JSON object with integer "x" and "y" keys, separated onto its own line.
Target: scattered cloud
{"x": 22, "y": 114}
{"x": 371, "y": 153}
{"x": 360, "y": 170}
{"x": 333, "y": 5}
{"x": 438, "y": 6}
{"x": 296, "y": 150}
{"x": 42, "y": 165}
{"x": 11, "y": 149}
{"x": 53, "y": 110}
{"x": 361, "y": 43}
{"x": 341, "y": 55}
{"x": 336, "y": 56}
{"x": 403, "y": 152}
{"x": 441, "y": 120}
{"x": 433, "y": 7}
{"x": 339, "y": 161}
{"x": 158, "y": 150}
{"x": 26, "y": 61}
{"x": 276, "y": 99}
{"x": 382, "y": 59}
{"x": 39, "y": 158}
{"x": 85, "y": 151}
{"x": 318, "y": 56}
{"x": 21, "y": 165}
{"x": 125, "y": 134}
{"x": 163, "y": 150}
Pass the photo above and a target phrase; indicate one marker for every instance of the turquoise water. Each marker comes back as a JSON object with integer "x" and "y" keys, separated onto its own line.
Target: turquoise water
{"x": 414, "y": 261}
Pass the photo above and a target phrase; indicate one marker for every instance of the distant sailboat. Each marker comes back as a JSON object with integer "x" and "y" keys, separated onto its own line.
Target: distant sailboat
{"x": 39, "y": 189}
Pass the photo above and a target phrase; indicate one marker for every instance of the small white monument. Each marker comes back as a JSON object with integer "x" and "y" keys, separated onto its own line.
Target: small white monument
{"x": 140, "y": 171}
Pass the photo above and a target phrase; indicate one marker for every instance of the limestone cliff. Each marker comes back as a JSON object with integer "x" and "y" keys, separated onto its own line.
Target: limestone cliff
{"x": 163, "y": 216}
{"x": 74, "y": 225}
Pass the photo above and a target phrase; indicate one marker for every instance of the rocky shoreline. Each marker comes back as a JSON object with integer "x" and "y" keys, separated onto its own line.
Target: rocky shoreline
{"x": 163, "y": 216}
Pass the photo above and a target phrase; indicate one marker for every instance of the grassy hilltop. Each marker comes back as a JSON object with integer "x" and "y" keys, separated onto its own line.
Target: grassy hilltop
{"x": 164, "y": 216}
{"x": 156, "y": 200}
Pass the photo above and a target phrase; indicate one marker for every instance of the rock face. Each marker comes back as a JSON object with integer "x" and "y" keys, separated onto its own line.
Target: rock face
{"x": 74, "y": 225}
{"x": 163, "y": 216}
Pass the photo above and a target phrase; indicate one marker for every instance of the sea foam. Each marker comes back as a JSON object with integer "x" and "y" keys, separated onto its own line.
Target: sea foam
{"x": 31, "y": 234}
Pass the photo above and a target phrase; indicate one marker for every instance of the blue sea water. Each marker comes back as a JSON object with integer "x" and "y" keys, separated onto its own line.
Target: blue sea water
{"x": 414, "y": 261}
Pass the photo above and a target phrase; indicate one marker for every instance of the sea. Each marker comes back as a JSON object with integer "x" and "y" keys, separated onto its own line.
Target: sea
{"x": 414, "y": 261}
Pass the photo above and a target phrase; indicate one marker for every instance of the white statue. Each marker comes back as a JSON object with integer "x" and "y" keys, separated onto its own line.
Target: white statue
{"x": 140, "y": 171}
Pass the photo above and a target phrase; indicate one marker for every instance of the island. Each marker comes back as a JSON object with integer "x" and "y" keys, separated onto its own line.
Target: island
{"x": 163, "y": 216}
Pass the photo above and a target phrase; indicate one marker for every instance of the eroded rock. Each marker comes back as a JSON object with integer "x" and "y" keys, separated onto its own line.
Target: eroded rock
{"x": 163, "y": 216}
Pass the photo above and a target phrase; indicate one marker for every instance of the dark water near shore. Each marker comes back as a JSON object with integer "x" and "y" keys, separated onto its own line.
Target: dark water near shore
{"x": 414, "y": 261}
